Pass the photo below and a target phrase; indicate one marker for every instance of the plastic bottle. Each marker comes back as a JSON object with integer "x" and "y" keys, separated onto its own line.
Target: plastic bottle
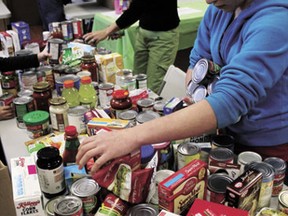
{"x": 70, "y": 93}
{"x": 71, "y": 144}
{"x": 87, "y": 93}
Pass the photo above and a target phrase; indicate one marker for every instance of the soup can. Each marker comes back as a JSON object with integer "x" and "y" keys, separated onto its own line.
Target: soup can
{"x": 143, "y": 209}
{"x": 86, "y": 189}
{"x": 76, "y": 118}
{"x": 186, "y": 152}
{"x": 279, "y": 166}
{"x": 50, "y": 206}
{"x": 22, "y": 106}
{"x": 216, "y": 187}
{"x": 141, "y": 81}
{"x": 196, "y": 92}
{"x": 129, "y": 115}
{"x": 77, "y": 28}
{"x": 283, "y": 201}
{"x": 105, "y": 94}
{"x": 246, "y": 157}
{"x": 221, "y": 154}
{"x": 68, "y": 206}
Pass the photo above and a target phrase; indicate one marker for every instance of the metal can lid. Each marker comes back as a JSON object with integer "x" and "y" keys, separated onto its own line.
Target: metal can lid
{"x": 106, "y": 86}
{"x": 278, "y": 164}
{"x": 85, "y": 187}
{"x": 266, "y": 169}
{"x": 128, "y": 115}
{"x": 25, "y": 92}
{"x": 143, "y": 209}
{"x": 36, "y": 117}
{"x": 188, "y": 149}
{"x": 146, "y": 102}
{"x": 217, "y": 182}
{"x": 78, "y": 111}
{"x": 56, "y": 41}
{"x": 199, "y": 93}
{"x": 221, "y": 154}
{"x": 200, "y": 70}
{"x": 29, "y": 73}
{"x": 283, "y": 198}
{"x": 57, "y": 101}
{"x": 247, "y": 157}
{"x": 50, "y": 206}
{"x": 68, "y": 205}
{"x": 127, "y": 72}
{"x": 60, "y": 68}
{"x": 45, "y": 68}
{"x": 191, "y": 88}
{"x": 22, "y": 100}
{"x": 211, "y": 85}
{"x": 146, "y": 115}
{"x": 159, "y": 106}
{"x": 128, "y": 79}
{"x": 72, "y": 70}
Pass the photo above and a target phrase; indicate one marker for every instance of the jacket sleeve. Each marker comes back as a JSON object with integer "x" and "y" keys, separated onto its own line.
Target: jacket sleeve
{"x": 18, "y": 62}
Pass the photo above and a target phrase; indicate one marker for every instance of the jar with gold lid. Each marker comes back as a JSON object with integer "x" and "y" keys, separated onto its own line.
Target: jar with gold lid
{"x": 89, "y": 64}
{"x": 41, "y": 95}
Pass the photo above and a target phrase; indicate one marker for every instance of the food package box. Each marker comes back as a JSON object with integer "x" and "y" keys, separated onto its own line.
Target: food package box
{"x": 26, "y": 188}
{"x": 108, "y": 65}
{"x": 243, "y": 192}
{"x": 6, "y": 44}
{"x": 23, "y": 31}
{"x": 172, "y": 105}
{"x": 95, "y": 124}
{"x": 203, "y": 207}
{"x": 178, "y": 191}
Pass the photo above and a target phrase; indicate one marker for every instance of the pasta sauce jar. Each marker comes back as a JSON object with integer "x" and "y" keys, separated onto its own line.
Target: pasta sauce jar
{"x": 89, "y": 64}
{"x": 41, "y": 95}
{"x": 58, "y": 113}
{"x": 120, "y": 101}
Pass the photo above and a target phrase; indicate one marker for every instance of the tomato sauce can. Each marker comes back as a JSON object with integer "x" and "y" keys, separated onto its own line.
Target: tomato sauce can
{"x": 86, "y": 189}
{"x": 22, "y": 106}
{"x": 283, "y": 201}
{"x": 68, "y": 206}
{"x": 77, "y": 28}
{"x": 186, "y": 152}
{"x": 279, "y": 166}
{"x": 216, "y": 187}
{"x": 221, "y": 154}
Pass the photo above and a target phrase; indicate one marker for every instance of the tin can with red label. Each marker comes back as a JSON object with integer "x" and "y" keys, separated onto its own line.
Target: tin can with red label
{"x": 68, "y": 205}
{"x": 186, "y": 152}
{"x": 221, "y": 154}
{"x": 77, "y": 28}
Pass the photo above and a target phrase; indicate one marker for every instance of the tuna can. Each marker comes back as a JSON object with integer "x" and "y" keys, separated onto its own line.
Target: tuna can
{"x": 186, "y": 152}
{"x": 223, "y": 140}
{"x": 141, "y": 81}
{"x": 67, "y": 30}
{"x": 221, "y": 154}
{"x": 246, "y": 158}
{"x": 76, "y": 118}
{"x": 55, "y": 49}
{"x": 145, "y": 116}
{"x": 77, "y": 28}
{"x": 68, "y": 206}
{"x": 105, "y": 94}
{"x": 216, "y": 187}
{"x": 129, "y": 115}
{"x": 268, "y": 174}
{"x": 86, "y": 189}
{"x": 283, "y": 201}
{"x": 279, "y": 166}
{"x": 22, "y": 106}
{"x": 145, "y": 104}
{"x": 144, "y": 209}
{"x": 50, "y": 206}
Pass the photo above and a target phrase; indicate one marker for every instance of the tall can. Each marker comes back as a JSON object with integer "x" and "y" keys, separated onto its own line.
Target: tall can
{"x": 77, "y": 28}
{"x": 76, "y": 118}
{"x": 247, "y": 157}
{"x": 22, "y": 106}
{"x": 105, "y": 94}
{"x": 186, "y": 152}
{"x": 141, "y": 81}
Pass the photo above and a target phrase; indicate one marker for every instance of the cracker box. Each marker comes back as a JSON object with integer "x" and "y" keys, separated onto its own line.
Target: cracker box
{"x": 23, "y": 31}
{"x": 203, "y": 207}
{"x": 26, "y": 188}
{"x": 109, "y": 64}
{"x": 243, "y": 192}
{"x": 178, "y": 191}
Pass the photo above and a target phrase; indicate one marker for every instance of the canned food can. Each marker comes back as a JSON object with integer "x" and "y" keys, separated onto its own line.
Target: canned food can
{"x": 105, "y": 94}
{"x": 283, "y": 201}
{"x": 279, "y": 166}
{"x": 186, "y": 152}
{"x": 77, "y": 28}
{"x": 141, "y": 81}
{"x": 204, "y": 71}
{"x": 121, "y": 74}
{"x": 216, "y": 187}
{"x": 34, "y": 47}
{"x": 129, "y": 115}
{"x": 67, "y": 30}
{"x": 55, "y": 49}
{"x": 76, "y": 118}
{"x": 25, "y": 92}
{"x": 159, "y": 107}
{"x": 86, "y": 189}
{"x": 246, "y": 158}
{"x": 223, "y": 140}
{"x": 145, "y": 116}
{"x": 22, "y": 106}
{"x": 50, "y": 206}
{"x": 68, "y": 206}
{"x": 143, "y": 209}
{"x": 268, "y": 174}
{"x": 221, "y": 154}
{"x": 145, "y": 104}
{"x": 48, "y": 75}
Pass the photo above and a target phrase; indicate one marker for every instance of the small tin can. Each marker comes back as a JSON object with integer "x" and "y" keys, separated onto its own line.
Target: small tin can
{"x": 50, "y": 206}
{"x": 145, "y": 116}
{"x": 279, "y": 166}
{"x": 105, "y": 94}
{"x": 76, "y": 118}
{"x": 145, "y": 104}
{"x": 67, "y": 30}
{"x": 216, "y": 187}
{"x": 221, "y": 154}
{"x": 186, "y": 152}
{"x": 141, "y": 81}
{"x": 55, "y": 49}
{"x": 246, "y": 157}
{"x": 121, "y": 74}
{"x": 143, "y": 209}
{"x": 22, "y": 106}
{"x": 86, "y": 189}
{"x": 77, "y": 28}
{"x": 223, "y": 140}
{"x": 283, "y": 201}
{"x": 268, "y": 174}
{"x": 68, "y": 206}
{"x": 129, "y": 115}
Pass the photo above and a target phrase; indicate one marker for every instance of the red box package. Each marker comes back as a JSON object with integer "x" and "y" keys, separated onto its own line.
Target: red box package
{"x": 178, "y": 191}
{"x": 203, "y": 207}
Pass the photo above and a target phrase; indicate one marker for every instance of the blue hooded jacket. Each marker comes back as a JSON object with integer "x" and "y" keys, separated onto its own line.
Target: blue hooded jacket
{"x": 251, "y": 97}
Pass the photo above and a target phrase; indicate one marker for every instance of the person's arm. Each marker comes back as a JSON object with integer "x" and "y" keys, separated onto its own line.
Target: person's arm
{"x": 191, "y": 121}
{"x": 6, "y": 112}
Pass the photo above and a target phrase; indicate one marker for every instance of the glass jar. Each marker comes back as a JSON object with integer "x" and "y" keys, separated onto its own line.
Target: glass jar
{"x": 41, "y": 95}
{"x": 9, "y": 80}
{"x": 50, "y": 172}
{"x": 120, "y": 101}
{"x": 89, "y": 64}
{"x": 58, "y": 113}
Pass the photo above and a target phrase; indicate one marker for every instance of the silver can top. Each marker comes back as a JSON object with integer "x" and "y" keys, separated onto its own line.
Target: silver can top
{"x": 84, "y": 187}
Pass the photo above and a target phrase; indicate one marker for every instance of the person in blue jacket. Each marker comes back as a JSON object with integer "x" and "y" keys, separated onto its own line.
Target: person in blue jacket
{"x": 248, "y": 39}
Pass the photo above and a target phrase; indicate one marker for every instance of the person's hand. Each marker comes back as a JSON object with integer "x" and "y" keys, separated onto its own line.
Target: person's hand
{"x": 104, "y": 147}
{"x": 6, "y": 112}
{"x": 94, "y": 38}
{"x": 44, "y": 55}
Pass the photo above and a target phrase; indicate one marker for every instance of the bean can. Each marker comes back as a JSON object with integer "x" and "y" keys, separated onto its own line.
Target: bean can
{"x": 186, "y": 152}
{"x": 68, "y": 206}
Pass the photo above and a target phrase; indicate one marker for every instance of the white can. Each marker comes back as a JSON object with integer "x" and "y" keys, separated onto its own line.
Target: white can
{"x": 76, "y": 118}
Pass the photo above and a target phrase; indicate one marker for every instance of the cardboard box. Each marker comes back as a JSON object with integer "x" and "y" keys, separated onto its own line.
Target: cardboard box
{"x": 26, "y": 188}
{"x": 23, "y": 31}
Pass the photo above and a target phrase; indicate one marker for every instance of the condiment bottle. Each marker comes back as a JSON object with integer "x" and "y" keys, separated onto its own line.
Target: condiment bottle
{"x": 50, "y": 172}
{"x": 70, "y": 93}
{"x": 120, "y": 101}
{"x": 41, "y": 95}
{"x": 58, "y": 113}
{"x": 71, "y": 144}
{"x": 87, "y": 93}
{"x": 89, "y": 64}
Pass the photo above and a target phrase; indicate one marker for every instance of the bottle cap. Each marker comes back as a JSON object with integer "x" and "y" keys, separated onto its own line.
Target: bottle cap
{"x": 86, "y": 80}
{"x": 70, "y": 130}
{"x": 68, "y": 83}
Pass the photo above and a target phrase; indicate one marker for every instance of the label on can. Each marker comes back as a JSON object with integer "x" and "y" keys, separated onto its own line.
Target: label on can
{"x": 22, "y": 106}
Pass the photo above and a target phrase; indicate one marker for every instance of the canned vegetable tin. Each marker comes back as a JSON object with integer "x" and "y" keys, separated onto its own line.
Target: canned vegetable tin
{"x": 86, "y": 189}
{"x": 22, "y": 106}
{"x": 76, "y": 118}
{"x": 55, "y": 49}
{"x": 68, "y": 206}
{"x": 145, "y": 104}
{"x": 186, "y": 152}
{"x": 129, "y": 115}
{"x": 105, "y": 94}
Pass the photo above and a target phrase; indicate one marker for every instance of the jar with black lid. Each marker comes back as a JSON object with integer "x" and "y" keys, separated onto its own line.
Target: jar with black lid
{"x": 41, "y": 95}
{"x": 89, "y": 64}
{"x": 50, "y": 172}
